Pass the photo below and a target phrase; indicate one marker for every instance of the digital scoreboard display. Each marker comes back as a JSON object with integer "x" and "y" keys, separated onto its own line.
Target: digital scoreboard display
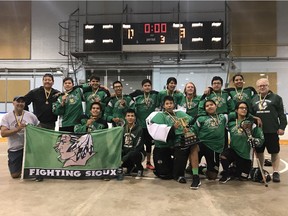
{"x": 159, "y": 36}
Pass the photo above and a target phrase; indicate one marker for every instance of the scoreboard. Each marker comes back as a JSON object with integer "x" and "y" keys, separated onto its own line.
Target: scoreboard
{"x": 160, "y": 36}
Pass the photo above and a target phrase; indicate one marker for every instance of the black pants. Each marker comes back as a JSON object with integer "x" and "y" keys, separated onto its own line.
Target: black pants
{"x": 147, "y": 139}
{"x": 134, "y": 161}
{"x": 180, "y": 162}
{"x": 211, "y": 157}
{"x": 163, "y": 162}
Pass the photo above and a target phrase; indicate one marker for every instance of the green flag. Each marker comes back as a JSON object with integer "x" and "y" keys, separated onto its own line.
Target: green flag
{"x": 53, "y": 154}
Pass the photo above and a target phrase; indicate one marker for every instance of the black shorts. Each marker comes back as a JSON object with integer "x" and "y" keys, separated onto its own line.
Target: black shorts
{"x": 15, "y": 159}
{"x": 271, "y": 143}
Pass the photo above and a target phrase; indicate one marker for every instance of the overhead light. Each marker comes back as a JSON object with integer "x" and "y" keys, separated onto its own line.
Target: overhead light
{"x": 89, "y": 41}
{"x": 107, "y": 41}
{"x": 125, "y": 26}
{"x": 262, "y": 74}
{"x": 197, "y": 25}
{"x": 89, "y": 26}
{"x": 109, "y": 26}
{"x": 199, "y": 39}
{"x": 177, "y": 25}
{"x": 216, "y": 24}
{"x": 216, "y": 39}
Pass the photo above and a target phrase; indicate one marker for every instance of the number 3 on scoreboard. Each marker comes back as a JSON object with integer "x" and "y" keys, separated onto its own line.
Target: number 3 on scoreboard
{"x": 162, "y": 39}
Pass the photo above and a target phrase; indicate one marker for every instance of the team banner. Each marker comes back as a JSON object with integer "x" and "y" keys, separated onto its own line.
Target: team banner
{"x": 53, "y": 154}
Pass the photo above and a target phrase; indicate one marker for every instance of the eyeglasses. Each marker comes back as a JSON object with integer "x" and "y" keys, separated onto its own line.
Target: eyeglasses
{"x": 243, "y": 108}
{"x": 117, "y": 87}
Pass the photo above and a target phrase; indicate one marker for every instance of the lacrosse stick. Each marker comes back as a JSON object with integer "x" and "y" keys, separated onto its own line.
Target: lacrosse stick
{"x": 246, "y": 127}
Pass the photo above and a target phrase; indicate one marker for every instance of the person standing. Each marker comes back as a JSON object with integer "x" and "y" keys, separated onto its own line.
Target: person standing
{"x": 69, "y": 106}
{"x": 171, "y": 91}
{"x": 269, "y": 107}
{"x": 145, "y": 104}
{"x": 42, "y": 99}
{"x": 97, "y": 94}
{"x": 239, "y": 92}
{"x": 118, "y": 105}
{"x": 12, "y": 126}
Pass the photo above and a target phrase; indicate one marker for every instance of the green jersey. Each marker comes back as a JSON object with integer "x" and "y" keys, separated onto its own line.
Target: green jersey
{"x": 191, "y": 106}
{"x": 100, "y": 94}
{"x": 223, "y": 100}
{"x": 238, "y": 139}
{"x": 169, "y": 120}
{"x": 72, "y": 110}
{"x": 242, "y": 94}
{"x": 177, "y": 96}
{"x": 210, "y": 130}
{"x": 83, "y": 128}
{"x": 145, "y": 105}
{"x": 117, "y": 107}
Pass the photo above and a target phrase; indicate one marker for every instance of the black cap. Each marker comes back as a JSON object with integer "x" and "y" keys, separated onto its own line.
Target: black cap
{"x": 17, "y": 98}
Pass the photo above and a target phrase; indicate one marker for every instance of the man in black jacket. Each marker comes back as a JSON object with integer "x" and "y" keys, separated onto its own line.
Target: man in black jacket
{"x": 269, "y": 107}
{"x": 42, "y": 99}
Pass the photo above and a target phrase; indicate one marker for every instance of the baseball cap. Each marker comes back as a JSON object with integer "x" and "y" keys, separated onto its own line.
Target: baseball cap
{"x": 17, "y": 98}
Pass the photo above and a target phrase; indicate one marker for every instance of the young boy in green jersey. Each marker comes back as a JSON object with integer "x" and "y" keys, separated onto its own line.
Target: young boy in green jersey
{"x": 146, "y": 102}
{"x": 240, "y": 152}
{"x": 118, "y": 105}
{"x": 97, "y": 94}
{"x": 171, "y": 91}
{"x": 210, "y": 130}
{"x": 69, "y": 106}
{"x": 93, "y": 121}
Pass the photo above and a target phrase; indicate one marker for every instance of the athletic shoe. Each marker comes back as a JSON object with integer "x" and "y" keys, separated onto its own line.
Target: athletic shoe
{"x": 202, "y": 169}
{"x": 195, "y": 182}
{"x": 149, "y": 166}
{"x": 224, "y": 179}
{"x": 181, "y": 180}
{"x": 267, "y": 162}
{"x": 276, "y": 177}
{"x": 139, "y": 174}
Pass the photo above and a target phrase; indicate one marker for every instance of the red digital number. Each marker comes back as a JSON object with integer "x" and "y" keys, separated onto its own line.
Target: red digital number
{"x": 147, "y": 28}
{"x": 157, "y": 28}
{"x": 163, "y": 27}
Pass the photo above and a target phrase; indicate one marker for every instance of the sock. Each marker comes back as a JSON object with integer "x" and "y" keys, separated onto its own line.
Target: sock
{"x": 195, "y": 171}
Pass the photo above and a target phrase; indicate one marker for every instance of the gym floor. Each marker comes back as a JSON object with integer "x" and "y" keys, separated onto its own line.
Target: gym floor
{"x": 148, "y": 196}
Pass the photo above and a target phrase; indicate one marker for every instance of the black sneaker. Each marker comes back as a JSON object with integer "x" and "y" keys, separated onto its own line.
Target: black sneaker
{"x": 139, "y": 174}
{"x": 195, "y": 182}
{"x": 39, "y": 179}
{"x": 276, "y": 177}
{"x": 267, "y": 162}
{"x": 224, "y": 179}
{"x": 181, "y": 180}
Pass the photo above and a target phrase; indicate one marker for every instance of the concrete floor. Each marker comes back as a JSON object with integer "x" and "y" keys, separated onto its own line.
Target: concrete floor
{"x": 140, "y": 197}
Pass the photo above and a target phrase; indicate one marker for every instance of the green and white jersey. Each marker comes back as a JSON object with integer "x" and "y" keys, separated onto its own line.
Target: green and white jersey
{"x": 164, "y": 118}
{"x": 72, "y": 110}
{"x": 144, "y": 106}
{"x": 97, "y": 125}
{"x": 117, "y": 107}
{"x": 223, "y": 100}
{"x": 91, "y": 96}
{"x": 238, "y": 139}
{"x": 177, "y": 96}
{"x": 242, "y": 94}
{"x": 210, "y": 130}
{"x": 191, "y": 106}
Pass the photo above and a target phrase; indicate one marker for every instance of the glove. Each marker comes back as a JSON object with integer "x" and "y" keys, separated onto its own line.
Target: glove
{"x": 253, "y": 142}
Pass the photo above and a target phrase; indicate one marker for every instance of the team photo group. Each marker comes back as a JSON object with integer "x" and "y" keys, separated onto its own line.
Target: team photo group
{"x": 172, "y": 131}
